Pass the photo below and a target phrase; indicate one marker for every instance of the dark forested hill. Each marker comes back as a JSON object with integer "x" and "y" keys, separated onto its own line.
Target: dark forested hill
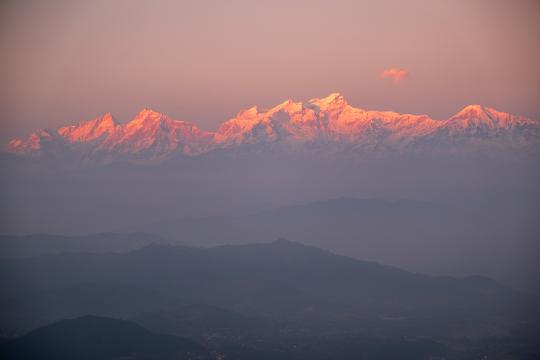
{"x": 261, "y": 297}
{"x": 92, "y": 338}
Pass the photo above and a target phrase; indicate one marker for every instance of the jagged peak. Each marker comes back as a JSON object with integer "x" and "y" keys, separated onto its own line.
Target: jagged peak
{"x": 89, "y": 130}
{"x": 252, "y": 111}
{"x": 288, "y": 105}
{"x": 37, "y": 135}
{"x": 30, "y": 144}
{"x": 42, "y": 133}
{"x": 335, "y": 99}
{"x": 328, "y": 118}
{"x": 335, "y": 96}
{"x": 149, "y": 116}
{"x": 472, "y": 116}
{"x": 148, "y": 112}
{"x": 105, "y": 119}
{"x": 474, "y": 107}
{"x": 475, "y": 110}
{"x": 283, "y": 104}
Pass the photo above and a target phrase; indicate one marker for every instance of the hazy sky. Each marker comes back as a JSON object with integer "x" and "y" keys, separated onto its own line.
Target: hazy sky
{"x": 202, "y": 61}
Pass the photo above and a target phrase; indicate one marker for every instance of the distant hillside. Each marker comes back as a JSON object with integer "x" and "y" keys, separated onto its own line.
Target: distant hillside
{"x": 427, "y": 237}
{"x": 12, "y": 246}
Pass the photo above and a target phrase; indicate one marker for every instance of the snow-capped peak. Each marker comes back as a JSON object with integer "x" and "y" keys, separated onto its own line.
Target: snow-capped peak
{"x": 328, "y": 120}
{"x": 478, "y": 116}
{"x": 104, "y": 125}
{"x": 472, "y": 110}
{"x": 32, "y": 145}
{"x": 148, "y": 116}
{"x": 332, "y": 100}
{"x": 252, "y": 111}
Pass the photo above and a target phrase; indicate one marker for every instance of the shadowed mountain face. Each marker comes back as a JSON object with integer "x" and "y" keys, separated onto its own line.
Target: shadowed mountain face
{"x": 92, "y": 338}
{"x": 282, "y": 280}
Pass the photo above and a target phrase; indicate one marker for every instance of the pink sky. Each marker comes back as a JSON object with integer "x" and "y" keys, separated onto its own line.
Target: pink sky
{"x": 202, "y": 61}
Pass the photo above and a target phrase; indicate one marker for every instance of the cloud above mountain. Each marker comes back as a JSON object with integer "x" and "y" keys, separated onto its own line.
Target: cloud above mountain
{"x": 396, "y": 74}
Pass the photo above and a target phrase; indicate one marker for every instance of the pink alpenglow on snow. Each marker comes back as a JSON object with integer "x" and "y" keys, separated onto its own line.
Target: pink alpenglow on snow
{"x": 316, "y": 123}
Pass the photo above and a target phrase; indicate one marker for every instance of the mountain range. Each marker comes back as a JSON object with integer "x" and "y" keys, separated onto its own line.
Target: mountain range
{"x": 425, "y": 237}
{"x": 325, "y": 125}
{"x": 281, "y": 280}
